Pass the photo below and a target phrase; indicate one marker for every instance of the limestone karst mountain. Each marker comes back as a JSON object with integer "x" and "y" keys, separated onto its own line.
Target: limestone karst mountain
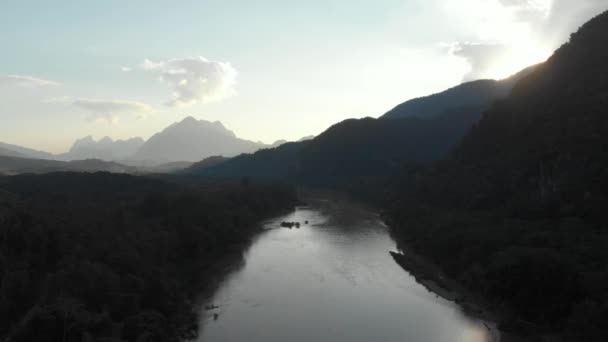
{"x": 193, "y": 140}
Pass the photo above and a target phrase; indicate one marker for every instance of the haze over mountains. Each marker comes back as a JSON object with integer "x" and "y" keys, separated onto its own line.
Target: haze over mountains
{"x": 416, "y": 130}
{"x": 177, "y": 146}
{"x": 420, "y": 129}
{"x": 18, "y": 151}
{"x": 193, "y": 140}
{"x": 104, "y": 149}
{"x": 10, "y": 165}
{"x": 10, "y": 153}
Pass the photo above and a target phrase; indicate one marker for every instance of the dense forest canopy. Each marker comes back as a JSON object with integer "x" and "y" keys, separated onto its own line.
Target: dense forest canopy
{"x": 518, "y": 210}
{"x": 116, "y": 256}
{"x": 477, "y": 95}
{"x": 356, "y": 155}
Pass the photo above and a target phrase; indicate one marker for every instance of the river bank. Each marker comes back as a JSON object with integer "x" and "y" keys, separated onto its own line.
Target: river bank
{"x": 335, "y": 274}
{"x": 435, "y": 280}
{"x": 430, "y": 276}
{"x": 424, "y": 271}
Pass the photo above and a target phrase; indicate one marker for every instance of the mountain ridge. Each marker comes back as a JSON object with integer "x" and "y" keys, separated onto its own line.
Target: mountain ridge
{"x": 105, "y": 149}
{"x": 517, "y": 211}
{"x": 475, "y": 94}
{"x": 25, "y": 152}
{"x": 192, "y": 140}
{"x": 367, "y": 150}
{"x": 181, "y": 143}
{"x": 15, "y": 165}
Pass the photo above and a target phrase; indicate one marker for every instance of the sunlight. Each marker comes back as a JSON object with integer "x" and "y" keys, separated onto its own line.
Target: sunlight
{"x": 480, "y": 331}
{"x": 518, "y": 59}
{"x": 517, "y": 34}
{"x": 507, "y": 26}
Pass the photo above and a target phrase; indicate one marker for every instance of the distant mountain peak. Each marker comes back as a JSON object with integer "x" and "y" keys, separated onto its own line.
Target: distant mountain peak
{"x": 106, "y": 140}
{"x": 308, "y": 137}
{"x": 87, "y": 139}
{"x": 279, "y": 142}
{"x": 104, "y": 149}
{"x": 193, "y": 140}
{"x": 189, "y": 118}
{"x": 136, "y": 139}
{"x": 191, "y": 124}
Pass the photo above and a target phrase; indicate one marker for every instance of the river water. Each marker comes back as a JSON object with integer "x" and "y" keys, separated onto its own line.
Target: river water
{"x": 333, "y": 279}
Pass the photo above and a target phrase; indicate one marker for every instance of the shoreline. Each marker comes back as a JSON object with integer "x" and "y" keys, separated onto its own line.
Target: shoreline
{"x": 428, "y": 275}
{"x": 423, "y": 270}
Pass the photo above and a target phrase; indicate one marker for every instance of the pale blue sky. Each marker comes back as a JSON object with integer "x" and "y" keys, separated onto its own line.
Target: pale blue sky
{"x": 299, "y": 66}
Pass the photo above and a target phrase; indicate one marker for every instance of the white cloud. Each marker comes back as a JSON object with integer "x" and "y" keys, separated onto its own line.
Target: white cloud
{"x": 528, "y": 10}
{"x": 110, "y": 111}
{"x": 150, "y": 66}
{"x": 481, "y": 58}
{"x": 25, "y": 81}
{"x": 566, "y": 16}
{"x": 194, "y": 79}
{"x": 513, "y": 34}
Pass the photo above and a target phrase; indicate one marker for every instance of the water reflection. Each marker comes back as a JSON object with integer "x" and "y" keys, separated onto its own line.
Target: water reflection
{"x": 331, "y": 280}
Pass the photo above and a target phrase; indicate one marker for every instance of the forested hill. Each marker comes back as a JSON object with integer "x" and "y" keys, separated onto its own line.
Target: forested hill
{"x": 107, "y": 257}
{"x": 476, "y": 96}
{"x": 547, "y": 142}
{"x": 358, "y": 149}
{"x": 517, "y": 213}
{"x": 278, "y": 164}
{"x": 355, "y": 154}
{"x": 366, "y": 151}
{"x": 15, "y": 165}
{"x": 359, "y": 154}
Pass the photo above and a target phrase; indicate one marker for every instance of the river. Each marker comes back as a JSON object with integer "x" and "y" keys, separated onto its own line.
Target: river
{"x": 332, "y": 279}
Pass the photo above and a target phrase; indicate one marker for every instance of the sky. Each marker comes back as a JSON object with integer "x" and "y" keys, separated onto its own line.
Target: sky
{"x": 267, "y": 69}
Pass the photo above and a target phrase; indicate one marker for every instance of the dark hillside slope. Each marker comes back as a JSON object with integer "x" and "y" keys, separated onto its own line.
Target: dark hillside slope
{"x": 358, "y": 155}
{"x": 356, "y": 149}
{"x": 518, "y": 212}
{"x": 16, "y": 165}
{"x": 4, "y": 152}
{"x": 550, "y": 137}
{"x": 478, "y": 95}
{"x": 205, "y": 163}
{"x": 279, "y": 163}
{"x": 351, "y": 153}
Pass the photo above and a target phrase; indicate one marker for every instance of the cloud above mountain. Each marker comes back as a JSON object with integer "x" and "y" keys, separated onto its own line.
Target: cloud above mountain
{"x": 25, "y": 81}
{"x": 566, "y": 16}
{"x": 481, "y": 57}
{"x": 528, "y": 10}
{"x": 193, "y": 80}
{"x": 513, "y": 34}
{"x": 110, "y": 111}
